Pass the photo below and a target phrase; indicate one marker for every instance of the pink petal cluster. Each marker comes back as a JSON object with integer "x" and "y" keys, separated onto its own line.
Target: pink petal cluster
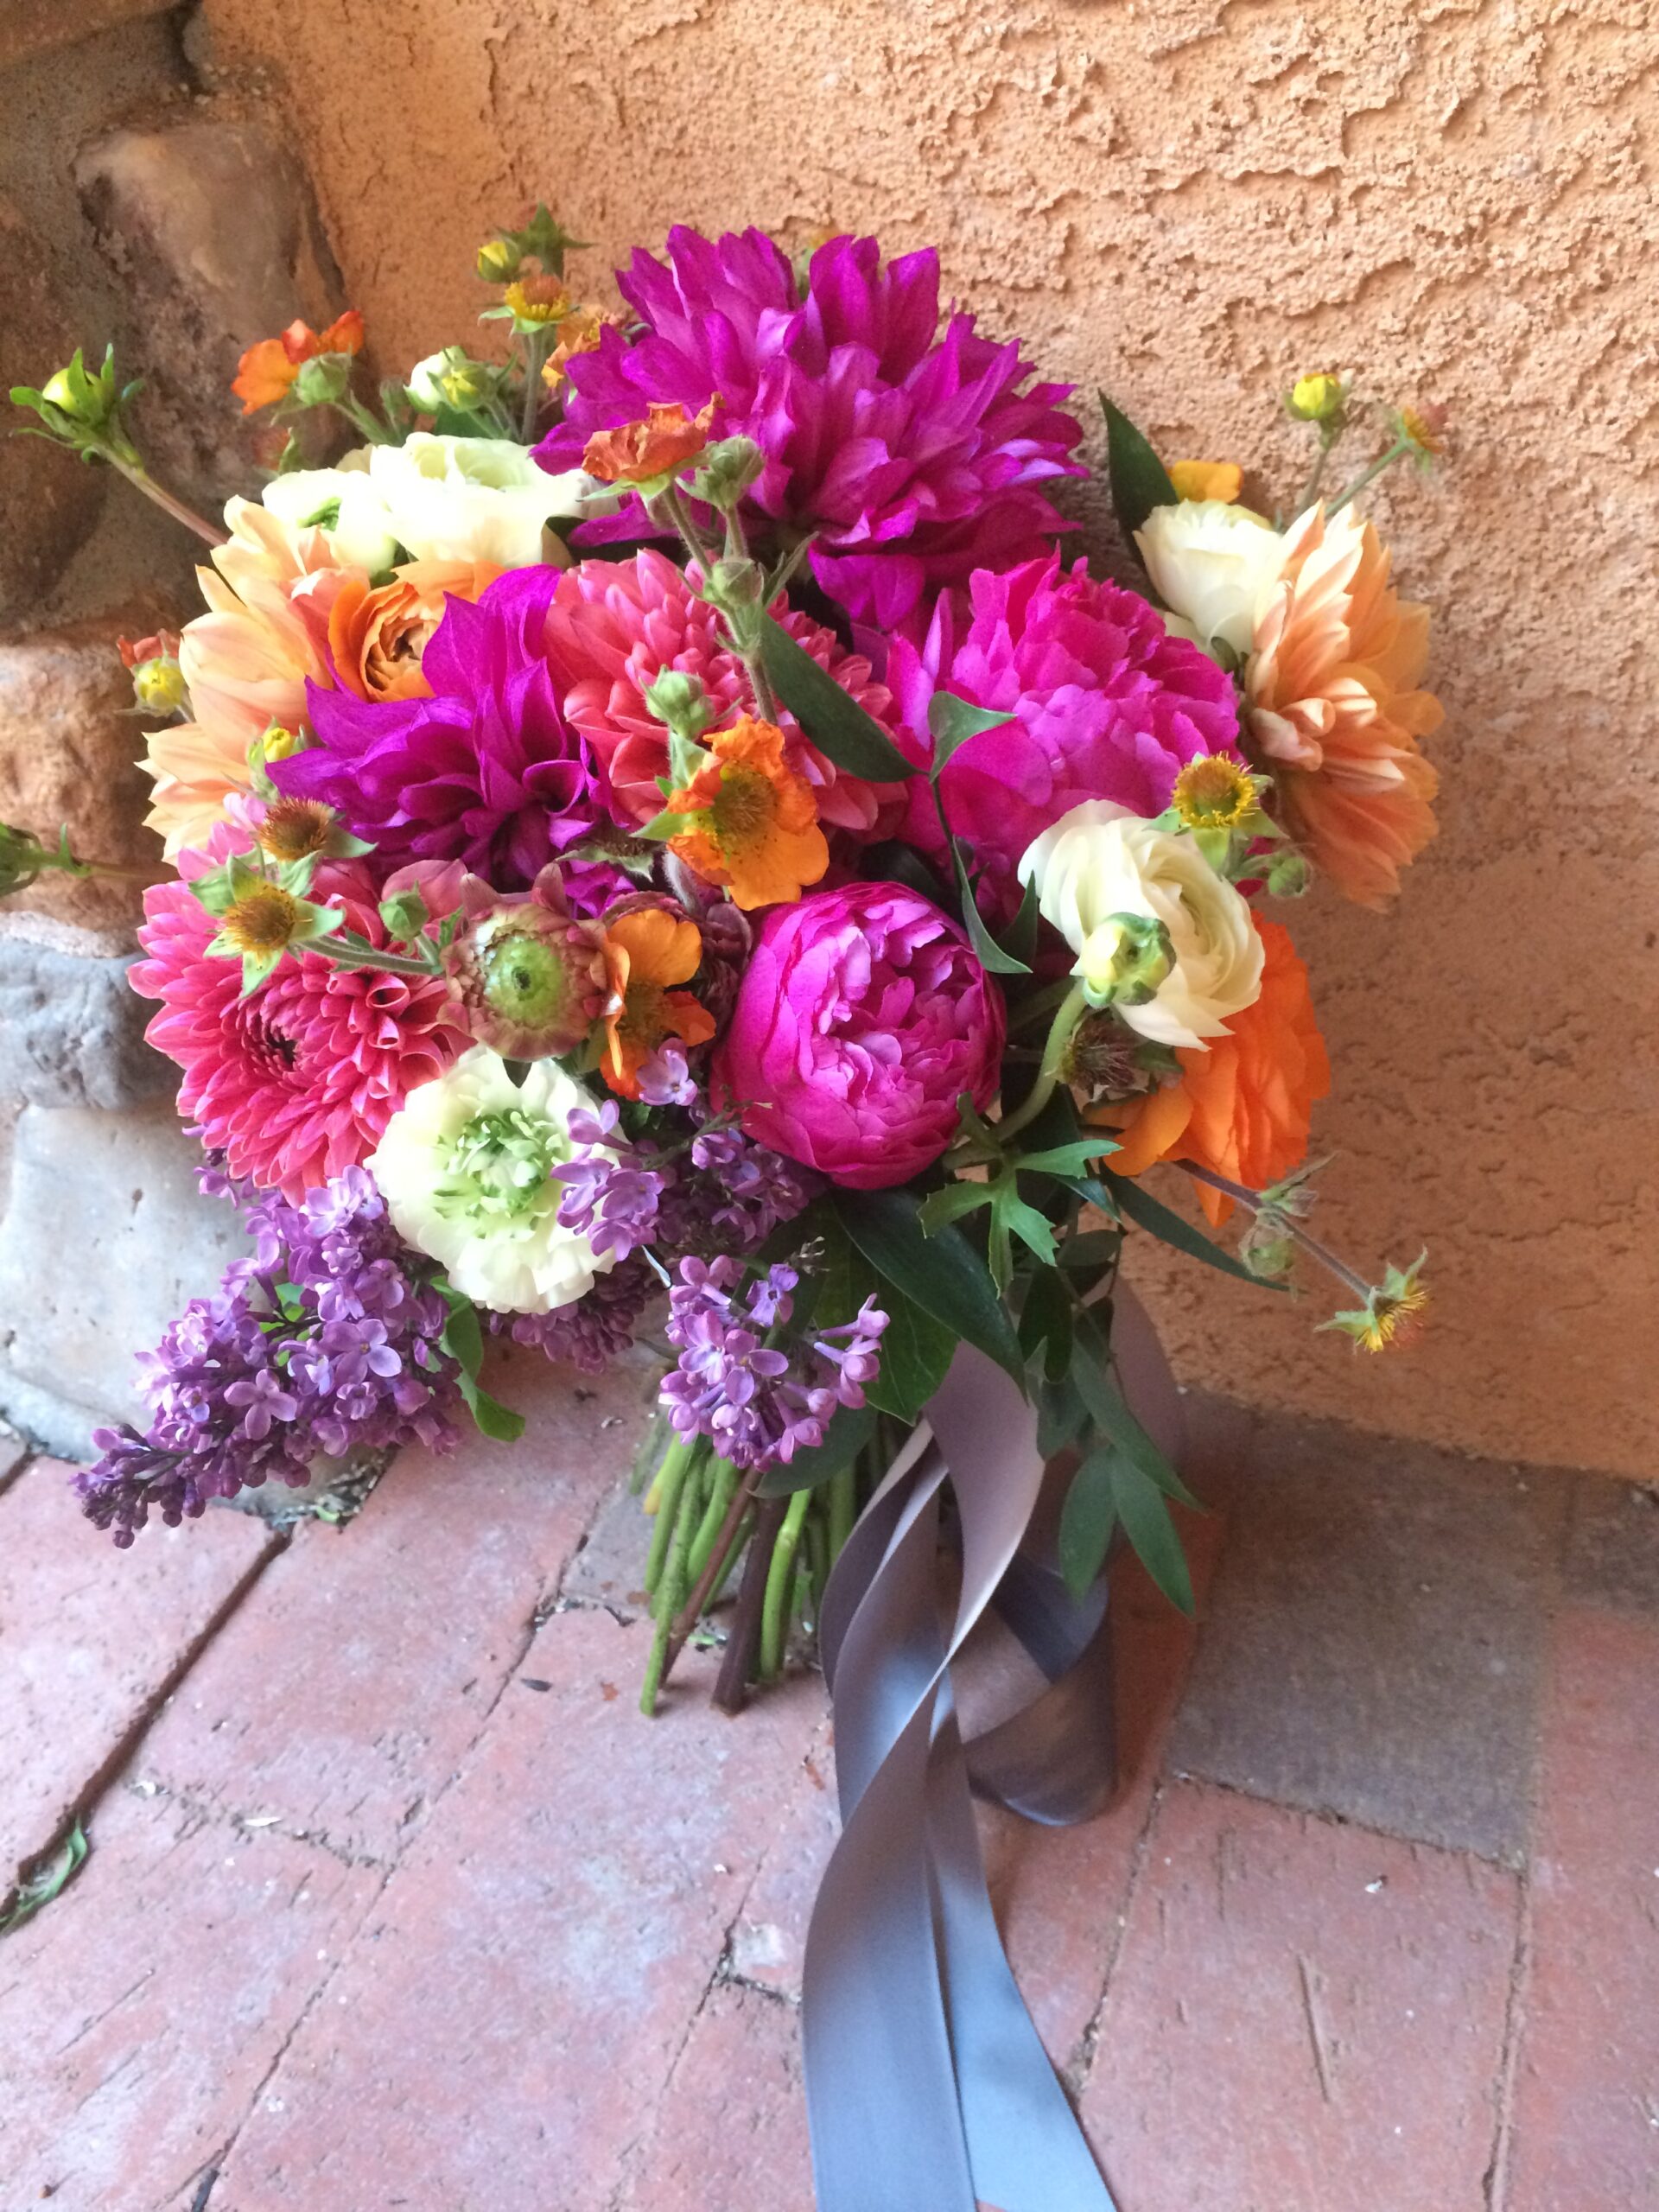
{"x": 863, "y": 1017}
{"x": 914, "y": 455}
{"x": 296, "y": 1083}
{"x": 615, "y": 627}
{"x": 1104, "y": 704}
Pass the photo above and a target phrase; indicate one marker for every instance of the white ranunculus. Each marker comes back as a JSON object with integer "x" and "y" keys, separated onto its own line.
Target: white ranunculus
{"x": 422, "y": 385}
{"x": 1214, "y": 566}
{"x": 356, "y": 523}
{"x": 1098, "y": 863}
{"x": 474, "y": 498}
{"x": 466, "y": 1166}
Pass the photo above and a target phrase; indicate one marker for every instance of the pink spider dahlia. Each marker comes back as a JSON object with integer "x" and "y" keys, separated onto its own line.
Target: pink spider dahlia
{"x": 915, "y": 455}
{"x": 296, "y": 1083}
{"x": 615, "y": 627}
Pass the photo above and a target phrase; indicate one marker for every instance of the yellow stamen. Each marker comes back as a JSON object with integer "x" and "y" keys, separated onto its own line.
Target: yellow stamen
{"x": 295, "y": 827}
{"x": 1393, "y": 1320}
{"x": 1213, "y": 792}
{"x": 261, "y": 920}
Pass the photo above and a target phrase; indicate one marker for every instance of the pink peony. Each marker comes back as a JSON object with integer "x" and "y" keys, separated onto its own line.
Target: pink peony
{"x": 1106, "y": 704}
{"x": 295, "y": 1082}
{"x": 615, "y": 627}
{"x": 861, "y": 1019}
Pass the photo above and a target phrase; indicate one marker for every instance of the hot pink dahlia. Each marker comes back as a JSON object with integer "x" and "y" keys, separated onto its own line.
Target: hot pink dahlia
{"x": 615, "y": 627}
{"x": 915, "y": 455}
{"x": 295, "y": 1082}
{"x": 1105, "y": 704}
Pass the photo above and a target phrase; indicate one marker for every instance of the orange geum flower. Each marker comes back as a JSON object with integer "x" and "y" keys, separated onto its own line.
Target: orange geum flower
{"x": 266, "y": 371}
{"x": 647, "y": 953}
{"x": 634, "y": 453}
{"x": 578, "y": 333}
{"x": 753, "y": 822}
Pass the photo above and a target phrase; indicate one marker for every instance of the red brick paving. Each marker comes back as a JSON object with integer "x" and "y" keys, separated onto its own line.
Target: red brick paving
{"x": 540, "y": 1956}
{"x": 1586, "y": 2119}
{"x": 90, "y": 1639}
{"x": 141, "y": 2011}
{"x": 1304, "y": 2017}
{"x": 557, "y": 1925}
{"x": 390, "y": 1639}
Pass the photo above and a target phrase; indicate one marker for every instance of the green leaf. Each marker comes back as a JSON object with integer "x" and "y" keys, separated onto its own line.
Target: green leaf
{"x": 463, "y": 1339}
{"x": 892, "y": 863}
{"x": 1087, "y": 1519}
{"x": 1151, "y": 1214}
{"x": 661, "y": 827}
{"x": 1139, "y": 480}
{"x": 1108, "y": 1409}
{"x": 852, "y": 1428}
{"x": 50, "y": 1879}
{"x": 492, "y": 1417}
{"x": 1091, "y": 1248}
{"x": 941, "y": 1272}
{"x": 1018, "y": 940}
{"x": 1093, "y": 1192}
{"x": 836, "y": 724}
{"x": 989, "y": 952}
{"x": 1010, "y": 1213}
{"x": 1146, "y": 1524}
{"x": 1061, "y": 1415}
{"x": 1065, "y": 1159}
{"x": 916, "y": 1351}
{"x": 951, "y": 1202}
{"x": 952, "y": 721}
{"x": 1045, "y": 1324}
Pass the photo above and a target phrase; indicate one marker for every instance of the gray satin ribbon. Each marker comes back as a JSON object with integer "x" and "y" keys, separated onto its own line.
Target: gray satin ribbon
{"x": 928, "y": 2088}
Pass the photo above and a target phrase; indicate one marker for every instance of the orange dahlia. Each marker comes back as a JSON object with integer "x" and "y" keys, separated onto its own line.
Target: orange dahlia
{"x": 1243, "y": 1108}
{"x": 1333, "y": 707}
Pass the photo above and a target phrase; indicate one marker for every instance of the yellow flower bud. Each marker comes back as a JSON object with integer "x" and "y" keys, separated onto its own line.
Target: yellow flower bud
{"x": 1316, "y": 399}
{"x": 498, "y": 261}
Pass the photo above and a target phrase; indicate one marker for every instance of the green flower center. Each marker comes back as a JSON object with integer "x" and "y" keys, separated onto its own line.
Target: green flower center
{"x": 525, "y": 979}
{"x": 498, "y": 1170}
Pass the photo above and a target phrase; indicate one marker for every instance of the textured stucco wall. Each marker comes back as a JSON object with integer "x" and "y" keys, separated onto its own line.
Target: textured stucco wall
{"x": 1189, "y": 201}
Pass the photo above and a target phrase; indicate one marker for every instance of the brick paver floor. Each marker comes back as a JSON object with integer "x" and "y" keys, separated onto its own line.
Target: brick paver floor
{"x": 393, "y": 1900}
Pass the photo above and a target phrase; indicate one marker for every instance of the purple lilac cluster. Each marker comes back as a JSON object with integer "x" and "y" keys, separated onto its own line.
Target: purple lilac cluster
{"x": 597, "y": 1328}
{"x": 756, "y": 1403}
{"x": 326, "y": 1339}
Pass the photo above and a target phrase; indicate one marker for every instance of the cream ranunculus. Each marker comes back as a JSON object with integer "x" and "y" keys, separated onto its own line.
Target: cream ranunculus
{"x": 1098, "y": 865}
{"x": 474, "y": 498}
{"x": 1214, "y": 566}
{"x": 345, "y": 504}
{"x": 466, "y": 1169}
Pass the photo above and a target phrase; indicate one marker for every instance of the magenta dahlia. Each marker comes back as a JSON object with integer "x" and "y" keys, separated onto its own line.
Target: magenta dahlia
{"x": 915, "y": 455}
{"x": 296, "y": 1083}
{"x": 1104, "y": 704}
{"x": 616, "y": 625}
{"x": 486, "y": 771}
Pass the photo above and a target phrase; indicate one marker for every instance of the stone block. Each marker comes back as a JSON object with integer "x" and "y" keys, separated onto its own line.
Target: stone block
{"x": 1613, "y": 1547}
{"x": 28, "y": 28}
{"x": 208, "y": 223}
{"x": 49, "y": 500}
{"x": 69, "y": 754}
{"x": 105, "y": 1238}
{"x": 72, "y": 1031}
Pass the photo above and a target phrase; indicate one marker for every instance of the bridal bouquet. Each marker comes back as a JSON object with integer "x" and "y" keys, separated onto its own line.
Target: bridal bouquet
{"x": 667, "y": 813}
{"x": 667, "y": 835}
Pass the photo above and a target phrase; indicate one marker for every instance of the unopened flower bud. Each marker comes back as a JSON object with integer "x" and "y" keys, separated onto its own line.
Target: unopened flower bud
{"x": 498, "y": 261}
{"x": 681, "y": 702}
{"x": 727, "y": 471}
{"x": 1124, "y": 960}
{"x": 1317, "y": 398}
{"x": 736, "y": 589}
{"x": 1287, "y": 875}
{"x": 277, "y": 743}
{"x": 21, "y": 858}
{"x": 322, "y": 380}
{"x": 158, "y": 685}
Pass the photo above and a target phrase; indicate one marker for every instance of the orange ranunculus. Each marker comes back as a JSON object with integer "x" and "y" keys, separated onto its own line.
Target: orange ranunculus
{"x": 634, "y": 452}
{"x": 1243, "y": 1108}
{"x": 647, "y": 951}
{"x": 266, "y": 370}
{"x": 755, "y": 827}
{"x": 1207, "y": 479}
{"x": 377, "y": 637}
{"x": 1333, "y": 708}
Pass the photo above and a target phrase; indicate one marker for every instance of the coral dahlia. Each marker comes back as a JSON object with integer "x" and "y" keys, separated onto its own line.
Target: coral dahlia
{"x": 915, "y": 456}
{"x": 1104, "y": 704}
{"x": 295, "y": 1082}
{"x": 615, "y": 627}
